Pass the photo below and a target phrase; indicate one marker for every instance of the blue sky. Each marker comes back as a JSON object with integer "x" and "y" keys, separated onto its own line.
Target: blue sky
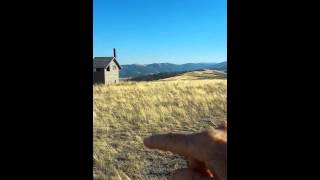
{"x": 157, "y": 31}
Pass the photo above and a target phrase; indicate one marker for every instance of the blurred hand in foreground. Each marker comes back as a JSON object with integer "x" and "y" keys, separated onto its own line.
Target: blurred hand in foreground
{"x": 206, "y": 153}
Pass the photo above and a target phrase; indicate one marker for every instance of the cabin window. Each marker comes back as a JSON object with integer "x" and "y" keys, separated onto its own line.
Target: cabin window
{"x": 108, "y": 68}
{"x": 99, "y": 69}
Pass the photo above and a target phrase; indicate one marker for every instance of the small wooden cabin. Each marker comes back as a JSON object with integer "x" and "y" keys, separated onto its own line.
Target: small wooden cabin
{"x": 106, "y": 69}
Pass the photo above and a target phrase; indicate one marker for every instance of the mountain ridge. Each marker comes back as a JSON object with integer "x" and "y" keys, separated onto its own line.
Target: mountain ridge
{"x": 136, "y": 70}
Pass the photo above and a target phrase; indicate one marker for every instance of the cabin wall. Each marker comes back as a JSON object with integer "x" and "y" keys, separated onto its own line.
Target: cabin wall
{"x": 112, "y": 76}
{"x": 99, "y": 77}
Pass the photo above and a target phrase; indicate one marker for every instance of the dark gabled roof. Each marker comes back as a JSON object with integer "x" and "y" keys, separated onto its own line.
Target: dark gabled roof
{"x": 103, "y": 62}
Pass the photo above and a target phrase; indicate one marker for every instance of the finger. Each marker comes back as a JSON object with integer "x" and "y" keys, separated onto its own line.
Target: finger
{"x": 199, "y": 167}
{"x": 196, "y": 164}
{"x": 188, "y": 174}
{"x": 183, "y": 144}
{"x": 193, "y": 145}
{"x": 222, "y": 127}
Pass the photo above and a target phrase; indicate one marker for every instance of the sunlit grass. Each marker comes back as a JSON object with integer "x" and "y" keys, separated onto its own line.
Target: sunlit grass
{"x": 125, "y": 113}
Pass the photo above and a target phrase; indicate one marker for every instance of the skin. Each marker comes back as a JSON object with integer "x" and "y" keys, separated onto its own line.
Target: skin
{"x": 206, "y": 153}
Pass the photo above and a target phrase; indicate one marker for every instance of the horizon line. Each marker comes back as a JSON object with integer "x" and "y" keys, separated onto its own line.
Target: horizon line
{"x": 178, "y": 63}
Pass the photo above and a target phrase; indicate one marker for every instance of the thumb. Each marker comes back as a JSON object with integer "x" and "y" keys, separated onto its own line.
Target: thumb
{"x": 199, "y": 167}
{"x": 189, "y": 174}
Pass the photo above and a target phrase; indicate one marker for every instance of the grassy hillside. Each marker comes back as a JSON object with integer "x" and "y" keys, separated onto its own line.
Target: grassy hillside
{"x": 153, "y": 77}
{"x": 198, "y": 75}
{"x": 192, "y": 75}
{"x": 125, "y": 113}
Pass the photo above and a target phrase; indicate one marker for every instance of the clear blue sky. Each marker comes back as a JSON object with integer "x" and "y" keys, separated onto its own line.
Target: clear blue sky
{"x": 156, "y": 31}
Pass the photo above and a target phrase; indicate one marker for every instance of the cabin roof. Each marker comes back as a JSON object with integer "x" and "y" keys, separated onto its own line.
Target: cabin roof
{"x": 104, "y": 62}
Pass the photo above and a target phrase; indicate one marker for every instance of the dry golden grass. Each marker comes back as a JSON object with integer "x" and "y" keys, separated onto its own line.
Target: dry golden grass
{"x": 125, "y": 113}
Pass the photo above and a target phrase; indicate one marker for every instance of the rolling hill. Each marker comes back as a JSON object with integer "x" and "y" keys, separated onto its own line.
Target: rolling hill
{"x": 135, "y": 70}
{"x": 199, "y": 74}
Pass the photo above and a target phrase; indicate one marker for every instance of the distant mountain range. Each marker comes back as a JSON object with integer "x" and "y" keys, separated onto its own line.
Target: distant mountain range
{"x": 136, "y": 70}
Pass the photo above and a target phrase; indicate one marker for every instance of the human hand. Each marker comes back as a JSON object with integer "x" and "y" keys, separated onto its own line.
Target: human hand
{"x": 206, "y": 153}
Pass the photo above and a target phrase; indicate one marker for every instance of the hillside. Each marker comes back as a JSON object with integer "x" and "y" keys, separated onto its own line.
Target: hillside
{"x": 135, "y": 70}
{"x": 125, "y": 113}
{"x": 198, "y": 75}
{"x": 220, "y": 66}
{"x": 191, "y": 75}
{"x": 158, "y": 76}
